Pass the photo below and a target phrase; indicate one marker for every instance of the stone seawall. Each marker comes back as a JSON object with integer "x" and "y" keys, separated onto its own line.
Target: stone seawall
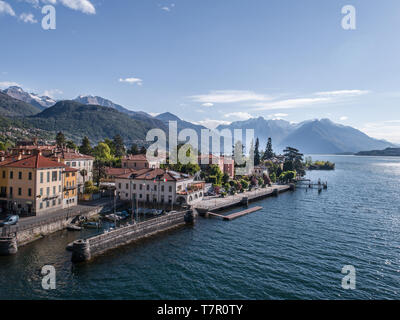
{"x": 85, "y": 249}
{"x": 35, "y": 232}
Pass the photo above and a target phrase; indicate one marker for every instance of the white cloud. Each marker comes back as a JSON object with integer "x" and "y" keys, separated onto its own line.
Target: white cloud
{"x": 344, "y": 118}
{"x": 6, "y": 8}
{"x": 211, "y": 124}
{"x": 290, "y": 103}
{"x": 6, "y": 84}
{"x": 27, "y": 18}
{"x": 84, "y": 6}
{"x": 343, "y": 93}
{"x": 137, "y": 81}
{"x": 229, "y": 96}
{"x": 208, "y": 104}
{"x": 52, "y": 93}
{"x": 278, "y": 115}
{"x": 168, "y": 8}
{"x": 239, "y": 115}
{"x": 388, "y": 130}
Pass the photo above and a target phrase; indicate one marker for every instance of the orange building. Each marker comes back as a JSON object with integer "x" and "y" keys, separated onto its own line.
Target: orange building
{"x": 70, "y": 187}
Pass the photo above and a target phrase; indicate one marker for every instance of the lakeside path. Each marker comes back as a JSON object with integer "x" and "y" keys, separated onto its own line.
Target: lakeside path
{"x": 216, "y": 203}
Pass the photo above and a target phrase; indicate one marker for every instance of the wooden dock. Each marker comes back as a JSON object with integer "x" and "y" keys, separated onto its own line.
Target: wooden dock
{"x": 236, "y": 214}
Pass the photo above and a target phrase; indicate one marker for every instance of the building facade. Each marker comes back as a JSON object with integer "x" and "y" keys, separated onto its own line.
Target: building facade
{"x": 31, "y": 184}
{"x": 138, "y": 162}
{"x": 159, "y": 186}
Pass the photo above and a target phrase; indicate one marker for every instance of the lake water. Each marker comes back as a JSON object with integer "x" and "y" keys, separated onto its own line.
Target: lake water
{"x": 294, "y": 248}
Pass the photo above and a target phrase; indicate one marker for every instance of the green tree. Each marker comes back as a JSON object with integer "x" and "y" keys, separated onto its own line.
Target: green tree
{"x": 134, "y": 150}
{"x": 269, "y": 153}
{"x": 143, "y": 150}
{"x": 102, "y": 152}
{"x": 85, "y": 147}
{"x": 71, "y": 145}
{"x": 111, "y": 145}
{"x": 60, "y": 140}
{"x": 119, "y": 146}
{"x": 225, "y": 178}
{"x": 257, "y": 158}
{"x": 293, "y": 161}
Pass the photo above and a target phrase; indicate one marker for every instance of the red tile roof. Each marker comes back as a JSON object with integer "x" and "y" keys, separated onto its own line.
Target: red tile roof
{"x": 75, "y": 156}
{"x": 156, "y": 174}
{"x": 36, "y": 162}
{"x": 136, "y": 157}
{"x": 118, "y": 171}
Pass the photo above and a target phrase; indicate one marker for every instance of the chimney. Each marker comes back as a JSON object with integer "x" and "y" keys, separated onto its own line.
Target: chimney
{"x": 58, "y": 159}
{"x": 2, "y": 158}
{"x": 19, "y": 156}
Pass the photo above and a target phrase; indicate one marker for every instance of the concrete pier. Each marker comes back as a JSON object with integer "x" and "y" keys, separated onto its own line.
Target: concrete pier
{"x": 85, "y": 249}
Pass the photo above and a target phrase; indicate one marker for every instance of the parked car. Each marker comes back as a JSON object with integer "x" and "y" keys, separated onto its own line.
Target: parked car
{"x": 10, "y": 221}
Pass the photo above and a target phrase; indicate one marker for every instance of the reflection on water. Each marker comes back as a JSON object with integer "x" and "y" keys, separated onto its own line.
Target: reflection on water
{"x": 294, "y": 248}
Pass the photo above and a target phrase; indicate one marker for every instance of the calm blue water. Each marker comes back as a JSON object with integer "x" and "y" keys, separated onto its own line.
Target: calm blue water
{"x": 293, "y": 249}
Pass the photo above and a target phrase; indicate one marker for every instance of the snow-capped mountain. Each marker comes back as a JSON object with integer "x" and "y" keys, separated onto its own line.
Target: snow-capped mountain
{"x": 42, "y": 102}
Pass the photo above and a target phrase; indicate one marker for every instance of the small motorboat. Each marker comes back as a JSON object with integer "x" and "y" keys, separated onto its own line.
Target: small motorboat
{"x": 91, "y": 225}
{"x": 123, "y": 215}
{"x": 112, "y": 217}
{"x": 73, "y": 227}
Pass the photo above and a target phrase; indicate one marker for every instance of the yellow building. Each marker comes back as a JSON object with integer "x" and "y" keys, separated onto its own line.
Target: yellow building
{"x": 32, "y": 184}
{"x": 70, "y": 187}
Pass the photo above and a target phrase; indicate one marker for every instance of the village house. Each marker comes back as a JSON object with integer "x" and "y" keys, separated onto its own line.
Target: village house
{"x": 159, "y": 186}
{"x": 31, "y": 184}
{"x": 260, "y": 171}
{"x": 70, "y": 187}
{"x": 225, "y": 164}
{"x": 138, "y": 162}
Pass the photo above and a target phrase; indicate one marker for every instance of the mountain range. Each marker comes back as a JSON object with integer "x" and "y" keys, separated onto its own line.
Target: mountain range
{"x": 100, "y": 118}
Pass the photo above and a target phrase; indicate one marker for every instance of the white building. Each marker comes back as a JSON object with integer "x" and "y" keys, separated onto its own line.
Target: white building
{"x": 260, "y": 171}
{"x": 159, "y": 186}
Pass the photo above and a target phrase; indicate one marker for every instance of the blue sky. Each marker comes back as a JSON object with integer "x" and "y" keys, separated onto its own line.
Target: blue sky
{"x": 213, "y": 61}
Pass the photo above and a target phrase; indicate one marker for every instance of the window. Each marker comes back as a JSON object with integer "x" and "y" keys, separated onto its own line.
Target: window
{"x": 134, "y": 164}
{"x": 134, "y": 186}
{"x": 67, "y": 174}
{"x": 54, "y": 190}
{"x": 41, "y": 205}
{"x": 59, "y": 188}
{"x": 140, "y": 187}
{"x": 155, "y": 188}
{"x": 20, "y": 175}
{"x": 30, "y": 175}
{"x": 19, "y": 191}
{"x": 59, "y": 201}
{"x": 170, "y": 188}
{"x": 127, "y": 186}
{"x": 126, "y": 195}
{"x": 48, "y": 176}
{"x": 29, "y": 192}
{"x": 41, "y": 191}
{"x": 4, "y": 174}
{"x": 119, "y": 186}
{"x": 41, "y": 177}
{"x": 148, "y": 187}
{"x": 47, "y": 204}
{"x": 74, "y": 164}
{"x": 48, "y": 191}
{"x": 59, "y": 175}
{"x": 11, "y": 191}
{"x": 54, "y": 176}
{"x": 140, "y": 196}
{"x": 54, "y": 202}
{"x": 162, "y": 188}
{"x": 11, "y": 175}
{"x": 68, "y": 164}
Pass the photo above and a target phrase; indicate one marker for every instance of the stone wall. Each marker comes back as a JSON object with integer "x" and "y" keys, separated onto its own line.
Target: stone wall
{"x": 86, "y": 249}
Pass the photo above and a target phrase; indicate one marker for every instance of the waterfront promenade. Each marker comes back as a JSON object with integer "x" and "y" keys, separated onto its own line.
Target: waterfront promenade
{"x": 216, "y": 203}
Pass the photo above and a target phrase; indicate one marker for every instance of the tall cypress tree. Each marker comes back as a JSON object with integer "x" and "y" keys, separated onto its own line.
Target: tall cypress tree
{"x": 257, "y": 158}
{"x": 60, "y": 140}
{"x": 119, "y": 146}
{"x": 269, "y": 153}
{"x": 85, "y": 148}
